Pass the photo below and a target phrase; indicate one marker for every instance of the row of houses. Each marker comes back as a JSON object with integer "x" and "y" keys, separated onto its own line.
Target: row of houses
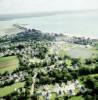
{"x": 60, "y": 90}
{"x": 16, "y": 77}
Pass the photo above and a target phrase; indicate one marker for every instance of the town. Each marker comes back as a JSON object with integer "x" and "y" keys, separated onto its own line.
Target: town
{"x": 42, "y": 66}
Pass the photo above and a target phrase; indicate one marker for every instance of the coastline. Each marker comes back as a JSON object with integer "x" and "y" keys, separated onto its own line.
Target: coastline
{"x": 91, "y": 36}
{"x": 14, "y": 28}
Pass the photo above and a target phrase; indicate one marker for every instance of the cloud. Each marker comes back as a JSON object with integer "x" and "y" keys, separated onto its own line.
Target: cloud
{"x": 26, "y": 6}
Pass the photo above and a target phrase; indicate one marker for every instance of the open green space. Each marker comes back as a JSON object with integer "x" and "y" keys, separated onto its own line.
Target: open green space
{"x": 76, "y": 98}
{"x": 90, "y": 75}
{"x": 81, "y": 52}
{"x": 10, "y": 89}
{"x": 9, "y": 63}
{"x": 78, "y": 51}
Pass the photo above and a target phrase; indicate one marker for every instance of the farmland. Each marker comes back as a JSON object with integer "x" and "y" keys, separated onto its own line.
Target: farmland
{"x": 10, "y": 89}
{"x": 8, "y": 63}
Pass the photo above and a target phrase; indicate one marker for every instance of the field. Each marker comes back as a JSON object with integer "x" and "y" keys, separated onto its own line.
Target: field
{"x": 10, "y": 89}
{"x": 8, "y": 63}
{"x": 74, "y": 51}
{"x": 76, "y": 98}
{"x": 78, "y": 51}
{"x": 81, "y": 52}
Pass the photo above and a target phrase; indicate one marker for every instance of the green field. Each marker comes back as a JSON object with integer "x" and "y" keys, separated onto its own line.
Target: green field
{"x": 81, "y": 52}
{"x": 90, "y": 75}
{"x": 78, "y": 51}
{"x": 8, "y": 63}
{"x": 10, "y": 89}
{"x": 76, "y": 98}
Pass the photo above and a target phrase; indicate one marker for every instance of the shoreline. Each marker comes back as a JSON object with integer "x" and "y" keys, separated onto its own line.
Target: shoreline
{"x": 91, "y": 36}
{"x": 83, "y": 35}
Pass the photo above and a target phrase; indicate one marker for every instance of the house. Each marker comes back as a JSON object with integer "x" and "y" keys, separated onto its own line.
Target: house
{"x": 75, "y": 66}
{"x": 82, "y": 89}
{"x": 48, "y": 95}
{"x": 71, "y": 92}
{"x": 76, "y": 83}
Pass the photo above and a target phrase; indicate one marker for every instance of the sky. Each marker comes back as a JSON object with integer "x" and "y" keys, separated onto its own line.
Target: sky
{"x": 36, "y": 6}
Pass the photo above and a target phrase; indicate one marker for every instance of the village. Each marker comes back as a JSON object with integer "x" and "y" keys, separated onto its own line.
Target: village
{"x": 46, "y": 69}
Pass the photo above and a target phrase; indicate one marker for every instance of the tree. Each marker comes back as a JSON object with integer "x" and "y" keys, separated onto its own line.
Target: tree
{"x": 20, "y": 47}
{"x": 89, "y": 97}
{"x": 27, "y": 93}
{"x": 28, "y": 82}
{"x": 68, "y": 62}
{"x": 89, "y": 61}
{"x": 84, "y": 71}
{"x": 90, "y": 83}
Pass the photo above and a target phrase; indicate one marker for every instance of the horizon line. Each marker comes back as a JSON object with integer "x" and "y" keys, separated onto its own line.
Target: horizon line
{"x": 51, "y": 12}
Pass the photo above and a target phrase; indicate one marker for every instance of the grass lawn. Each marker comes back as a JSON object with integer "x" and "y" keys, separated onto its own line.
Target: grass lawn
{"x": 90, "y": 75}
{"x": 10, "y": 89}
{"x": 53, "y": 96}
{"x": 8, "y": 63}
{"x": 79, "y": 52}
{"x": 93, "y": 75}
{"x": 76, "y": 98}
{"x": 62, "y": 52}
{"x": 40, "y": 98}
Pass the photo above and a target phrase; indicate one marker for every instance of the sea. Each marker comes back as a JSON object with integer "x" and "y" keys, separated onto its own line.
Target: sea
{"x": 76, "y": 23}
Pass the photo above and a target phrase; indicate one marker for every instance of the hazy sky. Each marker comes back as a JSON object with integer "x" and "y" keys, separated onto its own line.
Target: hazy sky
{"x": 26, "y": 6}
